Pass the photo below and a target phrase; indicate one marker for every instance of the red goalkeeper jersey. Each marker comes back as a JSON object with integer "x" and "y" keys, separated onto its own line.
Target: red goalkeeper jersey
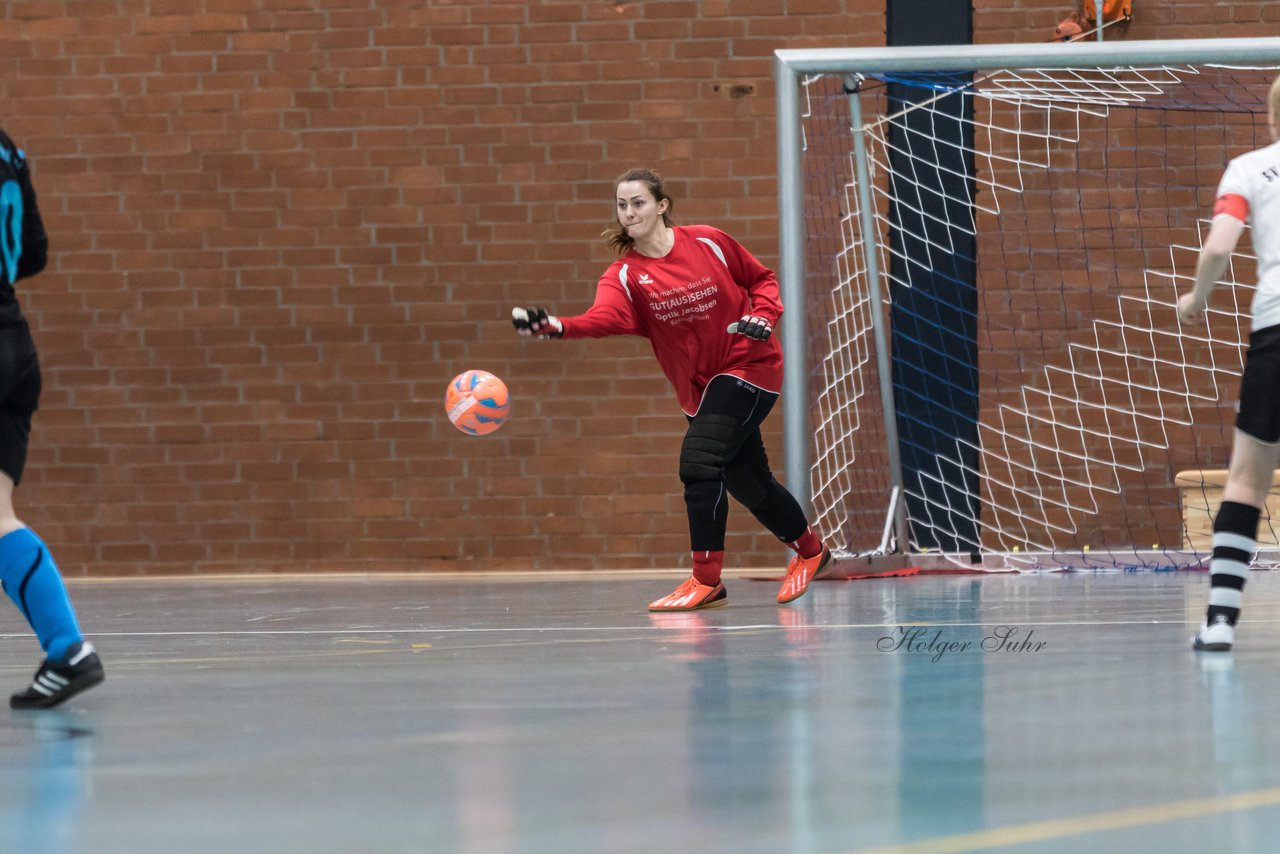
{"x": 683, "y": 303}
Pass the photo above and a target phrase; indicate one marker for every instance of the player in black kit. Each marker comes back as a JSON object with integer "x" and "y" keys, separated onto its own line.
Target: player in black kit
{"x": 27, "y": 571}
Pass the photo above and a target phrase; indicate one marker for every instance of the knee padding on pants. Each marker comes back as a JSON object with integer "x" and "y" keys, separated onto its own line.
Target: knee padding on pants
{"x": 708, "y": 448}
{"x": 779, "y": 512}
{"x": 747, "y": 486}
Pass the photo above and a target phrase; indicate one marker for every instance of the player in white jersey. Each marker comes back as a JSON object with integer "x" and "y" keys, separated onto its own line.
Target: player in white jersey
{"x": 1249, "y": 192}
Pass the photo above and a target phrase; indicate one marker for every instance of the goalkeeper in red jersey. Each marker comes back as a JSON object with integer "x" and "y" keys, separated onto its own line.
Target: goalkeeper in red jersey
{"x": 708, "y": 308}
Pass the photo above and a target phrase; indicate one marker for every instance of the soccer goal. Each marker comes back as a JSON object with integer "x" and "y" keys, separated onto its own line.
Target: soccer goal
{"x": 988, "y": 243}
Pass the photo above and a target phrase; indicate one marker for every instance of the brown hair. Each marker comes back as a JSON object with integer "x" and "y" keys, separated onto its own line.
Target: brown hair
{"x": 615, "y": 235}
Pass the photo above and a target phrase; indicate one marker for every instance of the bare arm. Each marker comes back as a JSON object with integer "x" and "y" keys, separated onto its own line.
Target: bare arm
{"x": 1215, "y": 256}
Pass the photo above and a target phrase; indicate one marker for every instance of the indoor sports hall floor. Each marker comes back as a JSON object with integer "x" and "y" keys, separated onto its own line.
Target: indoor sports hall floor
{"x": 553, "y": 714}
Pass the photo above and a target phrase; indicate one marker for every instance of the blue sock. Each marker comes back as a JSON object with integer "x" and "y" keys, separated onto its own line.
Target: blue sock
{"x": 32, "y": 581}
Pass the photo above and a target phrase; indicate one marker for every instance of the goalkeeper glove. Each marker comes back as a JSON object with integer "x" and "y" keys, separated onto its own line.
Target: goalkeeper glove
{"x": 753, "y": 326}
{"x": 536, "y": 322}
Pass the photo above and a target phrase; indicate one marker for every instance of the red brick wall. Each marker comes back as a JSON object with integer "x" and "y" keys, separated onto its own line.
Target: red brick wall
{"x": 279, "y": 228}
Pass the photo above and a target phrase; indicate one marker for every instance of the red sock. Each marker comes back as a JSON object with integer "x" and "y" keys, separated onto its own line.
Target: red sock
{"x": 707, "y": 566}
{"x": 808, "y": 544}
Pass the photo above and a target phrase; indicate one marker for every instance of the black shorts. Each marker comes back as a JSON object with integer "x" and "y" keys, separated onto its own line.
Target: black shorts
{"x": 1258, "y": 413}
{"x": 19, "y": 396}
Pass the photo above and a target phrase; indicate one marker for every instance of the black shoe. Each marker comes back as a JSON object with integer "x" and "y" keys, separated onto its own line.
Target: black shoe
{"x": 54, "y": 683}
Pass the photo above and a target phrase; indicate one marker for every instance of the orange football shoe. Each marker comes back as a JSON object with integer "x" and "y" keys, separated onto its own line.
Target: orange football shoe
{"x": 692, "y": 596}
{"x": 799, "y": 573}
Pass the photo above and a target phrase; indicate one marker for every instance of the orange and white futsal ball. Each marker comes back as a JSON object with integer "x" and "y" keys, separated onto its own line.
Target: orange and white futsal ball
{"x": 477, "y": 402}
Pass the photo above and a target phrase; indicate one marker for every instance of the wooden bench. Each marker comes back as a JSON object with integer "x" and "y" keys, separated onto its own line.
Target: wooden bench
{"x": 1200, "y": 493}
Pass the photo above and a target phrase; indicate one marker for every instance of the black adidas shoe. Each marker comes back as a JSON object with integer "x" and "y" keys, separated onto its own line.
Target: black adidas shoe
{"x": 54, "y": 683}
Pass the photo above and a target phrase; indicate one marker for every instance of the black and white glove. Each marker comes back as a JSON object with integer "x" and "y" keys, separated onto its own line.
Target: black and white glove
{"x": 536, "y": 322}
{"x": 753, "y": 326}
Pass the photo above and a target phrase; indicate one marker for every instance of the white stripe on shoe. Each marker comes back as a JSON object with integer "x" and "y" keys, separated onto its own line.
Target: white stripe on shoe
{"x": 86, "y": 650}
{"x": 49, "y": 684}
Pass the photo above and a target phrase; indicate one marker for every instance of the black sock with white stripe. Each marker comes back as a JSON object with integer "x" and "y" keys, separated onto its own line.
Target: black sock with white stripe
{"x": 1235, "y": 531}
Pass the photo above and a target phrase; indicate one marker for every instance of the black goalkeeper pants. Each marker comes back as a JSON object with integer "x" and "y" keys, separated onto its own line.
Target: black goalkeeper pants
{"x": 723, "y": 454}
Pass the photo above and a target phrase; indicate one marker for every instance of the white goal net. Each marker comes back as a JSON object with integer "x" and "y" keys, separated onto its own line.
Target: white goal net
{"x": 1021, "y": 235}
